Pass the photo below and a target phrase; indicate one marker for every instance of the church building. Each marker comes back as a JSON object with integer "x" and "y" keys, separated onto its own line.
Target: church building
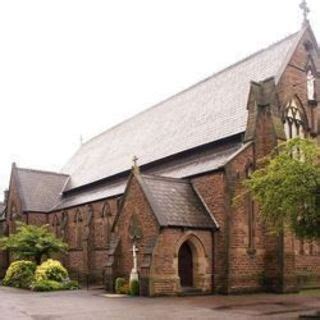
{"x": 154, "y": 195}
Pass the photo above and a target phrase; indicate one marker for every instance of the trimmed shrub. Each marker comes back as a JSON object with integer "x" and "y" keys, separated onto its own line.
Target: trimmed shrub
{"x": 134, "y": 288}
{"x": 52, "y": 276}
{"x": 52, "y": 285}
{"x": 120, "y": 282}
{"x": 51, "y": 270}
{"x": 47, "y": 285}
{"x": 20, "y": 274}
{"x": 71, "y": 285}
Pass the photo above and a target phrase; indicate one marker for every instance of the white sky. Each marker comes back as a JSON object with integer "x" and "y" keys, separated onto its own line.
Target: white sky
{"x": 73, "y": 67}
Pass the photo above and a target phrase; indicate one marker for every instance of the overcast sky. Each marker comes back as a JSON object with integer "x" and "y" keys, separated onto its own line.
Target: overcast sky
{"x": 71, "y": 67}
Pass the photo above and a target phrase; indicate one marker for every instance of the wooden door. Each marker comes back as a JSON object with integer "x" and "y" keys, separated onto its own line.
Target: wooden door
{"x": 185, "y": 266}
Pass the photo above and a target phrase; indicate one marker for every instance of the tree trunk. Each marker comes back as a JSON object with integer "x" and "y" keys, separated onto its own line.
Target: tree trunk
{"x": 38, "y": 259}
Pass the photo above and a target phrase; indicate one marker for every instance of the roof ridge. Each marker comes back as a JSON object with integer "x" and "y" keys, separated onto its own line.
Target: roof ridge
{"x": 193, "y": 86}
{"x": 153, "y": 176}
{"x": 42, "y": 171}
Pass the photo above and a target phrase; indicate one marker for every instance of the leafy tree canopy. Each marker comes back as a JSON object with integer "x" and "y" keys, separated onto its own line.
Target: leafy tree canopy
{"x": 287, "y": 188}
{"x": 32, "y": 242}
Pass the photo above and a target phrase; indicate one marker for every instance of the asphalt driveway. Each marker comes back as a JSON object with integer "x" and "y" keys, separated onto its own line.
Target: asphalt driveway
{"x": 93, "y": 304}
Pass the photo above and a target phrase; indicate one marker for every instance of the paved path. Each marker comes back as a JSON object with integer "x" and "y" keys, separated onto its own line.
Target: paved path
{"x": 87, "y": 305}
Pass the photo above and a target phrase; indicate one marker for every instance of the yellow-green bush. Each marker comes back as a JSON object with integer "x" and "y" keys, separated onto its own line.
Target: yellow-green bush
{"x": 51, "y": 275}
{"x": 51, "y": 285}
{"x": 20, "y": 274}
{"x": 121, "y": 286}
{"x": 47, "y": 285}
{"x": 51, "y": 270}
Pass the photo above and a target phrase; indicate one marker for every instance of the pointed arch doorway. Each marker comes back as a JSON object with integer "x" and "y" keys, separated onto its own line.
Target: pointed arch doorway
{"x": 185, "y": 261}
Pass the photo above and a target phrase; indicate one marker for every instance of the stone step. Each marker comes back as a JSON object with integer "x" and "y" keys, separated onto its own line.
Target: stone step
{"x": 186, "y": 291}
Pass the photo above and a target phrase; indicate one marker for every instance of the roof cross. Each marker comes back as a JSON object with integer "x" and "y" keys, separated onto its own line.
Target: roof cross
{"x": 135, "y": 161}
{"x": 305, "y": 9}
{"x": 135, "y": 166}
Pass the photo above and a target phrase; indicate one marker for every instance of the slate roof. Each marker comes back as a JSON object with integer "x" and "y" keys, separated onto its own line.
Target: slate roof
{"x": 189, "y": 165}
{"x": 2, "y": 213}
{"x": 2, "y": 207}
{"x": 209, "y": 111}
{"x": 175, "y": 203}
{"x": 40, "y": 190}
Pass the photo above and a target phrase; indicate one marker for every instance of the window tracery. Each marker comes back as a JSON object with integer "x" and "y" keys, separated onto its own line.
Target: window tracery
{"x": 294, "y": 125}
{"x": 106, "y": 216}
{"x": 64, "y": 225}
{"x": 56, "y": 226}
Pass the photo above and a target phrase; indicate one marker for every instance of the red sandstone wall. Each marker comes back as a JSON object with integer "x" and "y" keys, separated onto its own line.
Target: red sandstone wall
{"x": 86, "y": 259}
{"x": 212, "y": 188}
{"x": 14, "y": 204}
{"x": 37, "y": 219}
{"x": 307, "y": 257}
{"x": 293, "y": 82}
{"x": 136, "y": 204}
{"x": 246, "y": 261}
{"x": 164, "y": 274}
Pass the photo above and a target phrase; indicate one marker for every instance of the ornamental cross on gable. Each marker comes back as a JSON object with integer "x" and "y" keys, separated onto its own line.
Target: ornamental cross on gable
{"x": 135, "y": 161}
{"x": 135, "y": 166}
{"x": 305, "y": 9}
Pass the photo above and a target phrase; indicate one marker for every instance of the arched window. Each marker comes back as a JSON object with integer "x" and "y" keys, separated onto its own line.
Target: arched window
{"x": 13, "y": 216}
{"x": 90, "y": 214}
{"x": 106, "y": 210}
{"x": 251, "y": 215}
{"x": 56, "y": 226}
{"x": 106, "y": 216}
{"x": 294, "y": 125}
{"x": 87, "y": 228}
{"x": 64, "y": 225}
{"x": 311, "y": 248}
{"x": 78, "y": 220}
{"x": 301, "y": 247}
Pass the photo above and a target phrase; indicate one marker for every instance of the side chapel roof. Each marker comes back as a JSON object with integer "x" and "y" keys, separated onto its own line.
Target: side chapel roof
{"x": 176, "y": 203}
{"x": 39, "y": 190}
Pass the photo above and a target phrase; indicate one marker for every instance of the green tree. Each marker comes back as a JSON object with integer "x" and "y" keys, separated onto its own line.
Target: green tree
{"x": 287, "y": 188}
{"x": 32, "y": 242}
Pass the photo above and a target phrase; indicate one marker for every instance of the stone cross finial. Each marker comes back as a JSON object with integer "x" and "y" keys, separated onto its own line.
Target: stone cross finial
{"x": 135, "y": 163}
{"x": 305, "y": 9}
